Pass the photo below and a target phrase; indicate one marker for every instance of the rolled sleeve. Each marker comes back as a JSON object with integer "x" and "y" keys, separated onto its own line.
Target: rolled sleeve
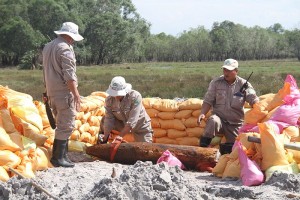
{"x": 251, "y": 96}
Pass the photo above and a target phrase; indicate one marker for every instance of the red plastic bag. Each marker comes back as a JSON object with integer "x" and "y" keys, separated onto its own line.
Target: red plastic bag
{"x": 171, "y": 160}
{"x": 250, "y": 172}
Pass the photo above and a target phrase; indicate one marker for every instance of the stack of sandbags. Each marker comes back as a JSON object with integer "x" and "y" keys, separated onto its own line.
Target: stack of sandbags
{"x": 87, "y": 123}
{"x": 175, "y": 122}
{"x": 22, "y": 138}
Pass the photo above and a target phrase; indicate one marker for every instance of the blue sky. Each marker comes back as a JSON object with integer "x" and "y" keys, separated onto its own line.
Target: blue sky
{"x": 175, "y": 16}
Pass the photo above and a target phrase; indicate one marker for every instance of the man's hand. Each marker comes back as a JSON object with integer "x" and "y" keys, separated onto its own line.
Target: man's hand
{"x": 118, "y": 139}
{"x": 200, "y": 118}
{"x": 102, "y": 139}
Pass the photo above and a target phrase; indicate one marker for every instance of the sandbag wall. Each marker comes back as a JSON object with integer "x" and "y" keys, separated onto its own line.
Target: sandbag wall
{"x": 175, "y": 122}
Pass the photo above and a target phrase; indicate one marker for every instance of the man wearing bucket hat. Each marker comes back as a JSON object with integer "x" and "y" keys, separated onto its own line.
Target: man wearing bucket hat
{"x": 227, "y": 103}
{"x": 59, "y": 66}
{"x": 125, "y": 112}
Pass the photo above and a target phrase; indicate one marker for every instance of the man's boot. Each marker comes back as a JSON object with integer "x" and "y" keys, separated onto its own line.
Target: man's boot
{"x": 58, "y": 154}
{"x": 66, "y": 154}
{"x": 205, "y": 141}
{"x": 226, "y": 148}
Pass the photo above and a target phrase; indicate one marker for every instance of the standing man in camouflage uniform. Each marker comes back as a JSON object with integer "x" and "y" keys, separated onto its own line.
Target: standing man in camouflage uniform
{"x": 125, "y": 112}
{"x": 227, "y": 105}
{"x": 61, "y": 84}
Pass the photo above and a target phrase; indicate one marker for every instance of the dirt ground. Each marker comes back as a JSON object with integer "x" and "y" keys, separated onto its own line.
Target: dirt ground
{"x": 94, "y": 179}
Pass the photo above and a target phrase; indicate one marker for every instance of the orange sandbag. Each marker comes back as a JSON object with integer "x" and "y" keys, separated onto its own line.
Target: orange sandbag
{"x": 8, "y": 124}
{"x": 218, "y": 170}
{"x": 158, "y": 132}
{"x": 189, "y": 141}
{"x": 166, "y": 105}
{"x": 191, "y": 104}
{"x": 9, "y": 159}
{"x": 5, "y": 142}
{"x": 232, "y": 169}
{"x": 272, "y": 147}
{"x": 256, "y": 114}
{"x": 173, "y": 133}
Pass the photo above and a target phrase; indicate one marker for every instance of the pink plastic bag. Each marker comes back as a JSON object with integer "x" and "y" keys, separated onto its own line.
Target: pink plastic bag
{"x": 171, "y": 160}
{"x": 250, "y": 172}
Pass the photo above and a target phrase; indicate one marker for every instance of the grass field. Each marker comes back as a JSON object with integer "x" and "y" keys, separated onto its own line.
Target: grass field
{"x": 164, "y": 80}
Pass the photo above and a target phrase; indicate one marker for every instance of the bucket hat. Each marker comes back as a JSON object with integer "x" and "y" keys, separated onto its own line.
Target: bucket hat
{"x": 70, "y": 29}
{"x": 230, "y": 64}
{"x": 118, "y": 87}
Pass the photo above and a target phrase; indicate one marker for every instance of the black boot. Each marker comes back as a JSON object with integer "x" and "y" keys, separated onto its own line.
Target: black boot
{"x": 205, "y": 141}
{"x": 58, "y": 154}
{"x": 225, "y": 148}
{"x": 66, "y": 154}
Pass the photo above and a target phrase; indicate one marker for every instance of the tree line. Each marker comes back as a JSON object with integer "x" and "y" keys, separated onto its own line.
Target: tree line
{"x": 114, "y": 33}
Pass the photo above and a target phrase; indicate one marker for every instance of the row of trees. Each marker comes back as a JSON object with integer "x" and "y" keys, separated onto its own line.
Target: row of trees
{"x": 114, "y": 32}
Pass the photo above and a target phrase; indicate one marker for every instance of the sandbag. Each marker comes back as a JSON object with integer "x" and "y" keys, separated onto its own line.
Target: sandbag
{"x": 251, "y": 174}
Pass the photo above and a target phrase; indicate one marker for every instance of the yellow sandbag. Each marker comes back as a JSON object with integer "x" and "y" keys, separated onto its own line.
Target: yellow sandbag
{"x": 243, "y": 138}
{"x": 42, "y": 160}
{"x": 79, "y": 115}
{"x": 183, "y": 114}
{"x": 218, "y": 170}
{"x": 32, "y": 132}
{"x": 26, "y": 169}
{"x": 272, "y": 147}
{"x": 190, "y": 141}
{"x": 166, "y": 115}
{"x": 152, "y": 112}
{"x": 9, "y": 159}
{"x": 232, "y": 169}
{"x": 15, "y": 98}
{"x": 194, "y": 132}
{"x": 85, "y": 137}
{"x": 5, "y": 142}
{"x": 165, "y": 140}
{"x": 75, "y": 135}
{"x": 256, "y": 114}
{"x": 99, "y": 111}
{"x": 42, "y": 112}
{"x": 191, "y": 122}
{"x": 166, "y": 105}
{"x": 266, "y": 99}
{"x": 77, "y": 146}
{"x": 190, "y": 104}
{"x": 296, "y": 154}
{"x": 158, "y": 132}
{"x": 290, "y": 169}
{"x": 93, "y": 130}
{"x": 29, "y": 114}
{"x": 196, "y": 113}
{"x": 173, "y": 133}
{"x": 16, "y": 137}
{"x": 172, "y": 124}
{"x": 291, "y": 131}
{"x": 148, "y": 102}
{"x": 100, "y": 93}
{"x": 155, "y": 123}
{"x": 78, "y": 123}
{"x": 8, "y": 125}
{"x": 48, "y": 154}
{"x": 85, "y": 117}
{"x": 3, "y": 174}
{"x": 278, "y": 98}
{"x": 84, "y": 128}
{"x": 93, "y": 121}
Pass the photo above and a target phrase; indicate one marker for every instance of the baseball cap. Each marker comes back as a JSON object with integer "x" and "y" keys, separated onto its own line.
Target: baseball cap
{"x": 230, "y": 64}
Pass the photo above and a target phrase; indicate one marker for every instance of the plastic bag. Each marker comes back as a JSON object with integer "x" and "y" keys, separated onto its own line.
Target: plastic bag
{"x": 170, "y": 159}
{"x": 250, "y": 172}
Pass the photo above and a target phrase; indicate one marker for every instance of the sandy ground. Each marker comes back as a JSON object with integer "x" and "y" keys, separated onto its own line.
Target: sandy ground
{"x": 94, "y": 179}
